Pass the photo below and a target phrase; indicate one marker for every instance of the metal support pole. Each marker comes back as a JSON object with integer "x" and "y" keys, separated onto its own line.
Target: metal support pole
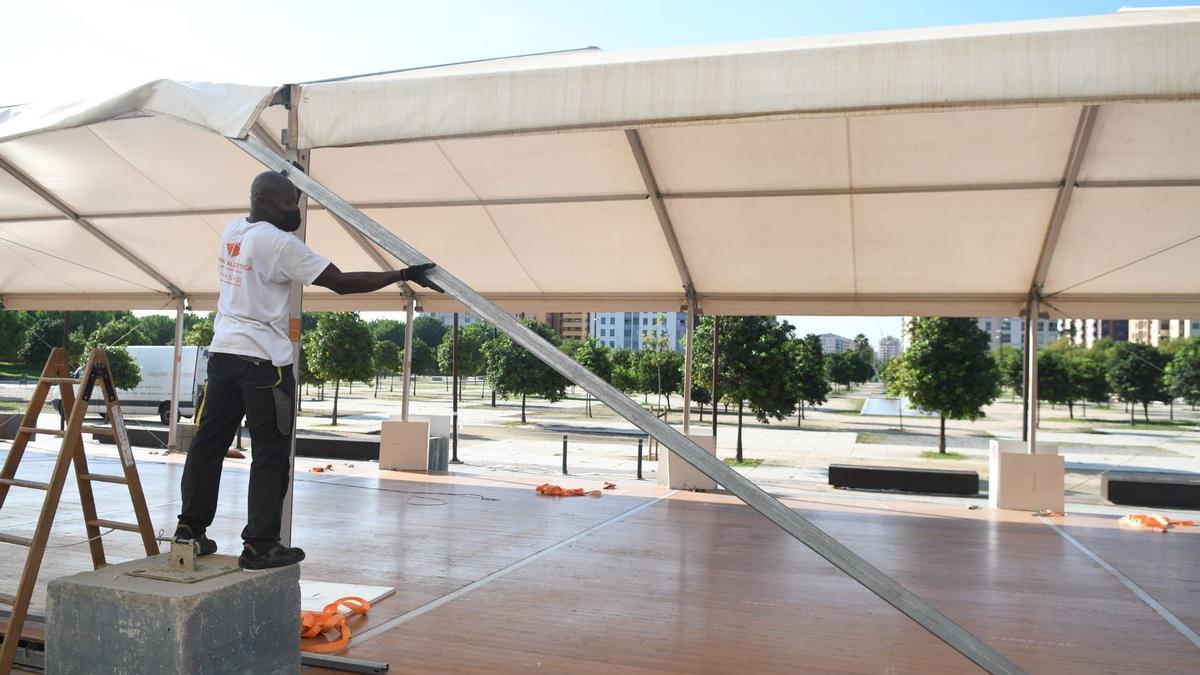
{"x": 687, "y": 369}
{"x": 293, "y": 154}
{"x": 886, "y": 588}
{"x": 409, "y": 307}
{"x": 173, "y": 420}
{"x": 454, "y": 417}
{"x": 564, "y": 455}
{"x": 716, "y": 332}
{"x": 1031, "y": 386}
{"x": 639, "y": 465}
{"x": 1025, "y": 378}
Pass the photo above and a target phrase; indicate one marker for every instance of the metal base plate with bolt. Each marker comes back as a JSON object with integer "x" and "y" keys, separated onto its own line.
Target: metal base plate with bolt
{"x": 183, "y": 566}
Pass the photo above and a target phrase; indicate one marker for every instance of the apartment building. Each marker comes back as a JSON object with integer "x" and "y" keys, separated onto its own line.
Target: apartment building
{"x": 624, "y": 330}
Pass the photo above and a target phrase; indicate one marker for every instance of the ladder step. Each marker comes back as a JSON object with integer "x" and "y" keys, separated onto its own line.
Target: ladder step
{"x": 128, "y": 527}
{"x": 14, "y": 539}
{"x": 32, "y": 484}
{"x": 39, "y": 430}
{"x": 103, "y": 478}
{"x": 99, "y": 431}
{"x": 60, "y": 380}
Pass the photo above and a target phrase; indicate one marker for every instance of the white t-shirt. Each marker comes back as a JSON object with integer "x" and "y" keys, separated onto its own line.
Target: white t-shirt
{"x": 256, "y": 265}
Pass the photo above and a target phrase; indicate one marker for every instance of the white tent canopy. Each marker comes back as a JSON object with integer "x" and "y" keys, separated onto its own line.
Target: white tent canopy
{"x": 942, "y": 171}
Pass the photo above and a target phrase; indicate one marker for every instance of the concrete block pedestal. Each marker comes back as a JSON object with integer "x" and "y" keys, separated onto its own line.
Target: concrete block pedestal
{"x": 1019, "y": 480}
{"x": 404, "y": 446}
{"x": 675, "y": 473}
{"x": 108, "y": 622}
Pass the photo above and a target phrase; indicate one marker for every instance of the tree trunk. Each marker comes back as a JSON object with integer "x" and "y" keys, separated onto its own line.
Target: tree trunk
{"x": 336, "y": 385}
{"x": 1171, "y": 405}
{"x": 1084, "y": 404}
{"x": 1131, "y": 413}
{"x": 391, "y": 383}
{"x": 523, "y": 409}
{"x": 739, "y": 439}
{"x": 1146, "y": 410}
{"x": 493, "y": 395}
{"x": 377, "y": 374}
{"x": 1071, "y": 409}
{"x": 942, "y": 437}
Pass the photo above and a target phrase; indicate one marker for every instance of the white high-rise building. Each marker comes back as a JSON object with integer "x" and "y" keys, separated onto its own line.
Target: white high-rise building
{"x": 624, "y": 329}
{"x": 834, "y": 344}
{"x": 1010, "y": 331}
{"x": 889, "y": 348}
{"x": 1183, "y": 328}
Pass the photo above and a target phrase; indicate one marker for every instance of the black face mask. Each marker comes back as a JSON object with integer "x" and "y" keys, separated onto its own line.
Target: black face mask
{"x": 291, "y": 221}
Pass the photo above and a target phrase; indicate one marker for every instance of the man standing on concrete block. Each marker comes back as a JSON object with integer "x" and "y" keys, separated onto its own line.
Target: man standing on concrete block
{"x": 250, "y": 370}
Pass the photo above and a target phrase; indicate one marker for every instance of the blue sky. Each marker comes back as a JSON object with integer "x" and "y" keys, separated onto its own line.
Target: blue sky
{"x": 68, "y": 49}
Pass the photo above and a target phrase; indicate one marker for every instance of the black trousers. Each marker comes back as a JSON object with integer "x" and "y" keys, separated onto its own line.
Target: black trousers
{"x": 263, "y": 393}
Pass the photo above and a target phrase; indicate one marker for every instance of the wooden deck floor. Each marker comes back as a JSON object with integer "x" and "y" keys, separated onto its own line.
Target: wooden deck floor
{"x": 491, "y": 576}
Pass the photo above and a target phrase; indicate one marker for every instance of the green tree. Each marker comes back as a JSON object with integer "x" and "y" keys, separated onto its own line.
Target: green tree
{"x": 342, "y": 350}
{"x": 430, "y": 330}
{"x": 624, "y": 373}
{"x": 201, "y": 332}
{"x": 424, "y": 358}
{"x": 1183, "y": 371}
{"x": 388, "y": 329}
{"x": 947, "y": 369}
{"x": 756, "y": 366}
{"x": 470, "y": 351}
{"x": 42, "y": 335}
{"x": 1135, "y": 373}
{"x": 13, "y": 324}
{"x": 112, "y": 338}
{"x": 1056, "y": 382}
{"x": 812, "y": 386}
{"x": 388, "y": 359}
{"x": 841, "y": 368}
{"x": 1088, "y": 375}
{"x": 305, "y": 375}
{"x": 1012, "y": 371}
{"x": 159, "y": 329}
{"x": 866, "y": 356}
{"x": 122, "y": 332}
{"x": 515, "y": 372}
{"x": 660, "y": 368}
{"x": 593, "y": 355}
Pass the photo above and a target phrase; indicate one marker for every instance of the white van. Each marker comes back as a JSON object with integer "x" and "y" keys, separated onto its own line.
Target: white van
{"x": 152, "y": 396}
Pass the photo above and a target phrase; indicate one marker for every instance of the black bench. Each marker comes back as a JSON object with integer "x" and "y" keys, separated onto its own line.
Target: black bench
{"x": 332, "y": 447}
{"x": 901, "y": 479}
{"x": 1168, "y": 490}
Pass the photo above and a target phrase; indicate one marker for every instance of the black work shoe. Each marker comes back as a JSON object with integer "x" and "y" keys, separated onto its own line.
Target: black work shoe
{"x": 204, "y": 545}
{"x": 276, "y": 556}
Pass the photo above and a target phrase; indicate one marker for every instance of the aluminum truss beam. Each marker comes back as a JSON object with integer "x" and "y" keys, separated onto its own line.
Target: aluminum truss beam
{"x": 810, "y": 535}
{"x": 660, "y": 210}
{"x": 1083, "y": 134}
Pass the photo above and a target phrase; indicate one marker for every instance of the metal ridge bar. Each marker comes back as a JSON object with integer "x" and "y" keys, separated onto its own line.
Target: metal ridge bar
{"x": 660, "y": 210}
{"x": 632, "y": 197}
{"x": 372, "y": 253}
{"x": 108, "y": 241}
{"x": 1083, "y": 134}
{"x": 810, "y": 535}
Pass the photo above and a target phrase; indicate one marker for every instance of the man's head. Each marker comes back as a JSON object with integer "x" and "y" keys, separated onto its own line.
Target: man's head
{"x": 274, "y": 199}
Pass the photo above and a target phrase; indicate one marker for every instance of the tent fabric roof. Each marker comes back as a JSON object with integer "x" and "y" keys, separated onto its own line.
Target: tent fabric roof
{"x": 938, "y": 171}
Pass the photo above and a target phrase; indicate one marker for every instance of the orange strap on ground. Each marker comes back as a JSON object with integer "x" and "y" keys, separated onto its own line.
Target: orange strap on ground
{"x": 551, "y": 490}
{"x": 1152, "y": 521}
{"x": 313, "y": 625}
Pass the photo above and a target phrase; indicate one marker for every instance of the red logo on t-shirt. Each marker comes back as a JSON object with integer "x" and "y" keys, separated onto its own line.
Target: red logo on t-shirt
{"x": 234, "y": 249}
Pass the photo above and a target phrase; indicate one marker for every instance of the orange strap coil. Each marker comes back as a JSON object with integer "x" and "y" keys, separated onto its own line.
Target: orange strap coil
{"x": 1152, "y": 521}
{"x": 551, "y": 490}
{"x": 313, "y": 625}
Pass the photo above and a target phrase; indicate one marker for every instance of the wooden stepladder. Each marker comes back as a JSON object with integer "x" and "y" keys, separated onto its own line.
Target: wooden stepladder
{"x": 57, "y": 372}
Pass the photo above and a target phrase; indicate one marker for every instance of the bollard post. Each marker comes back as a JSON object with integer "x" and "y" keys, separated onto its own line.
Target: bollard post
{"x": 640, "y": 458}
{"x": 564, "y": 455}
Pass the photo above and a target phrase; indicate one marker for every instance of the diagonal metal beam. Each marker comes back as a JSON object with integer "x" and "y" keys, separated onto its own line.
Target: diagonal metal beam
{"x": 1083, "y": 134}
{"x": 810, "y": 535}
{"x": 660, "y": 209}
{"x": 108, "y": 241}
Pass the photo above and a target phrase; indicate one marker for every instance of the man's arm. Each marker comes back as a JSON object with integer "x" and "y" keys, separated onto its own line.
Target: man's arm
{"x": 344, "y": 283}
